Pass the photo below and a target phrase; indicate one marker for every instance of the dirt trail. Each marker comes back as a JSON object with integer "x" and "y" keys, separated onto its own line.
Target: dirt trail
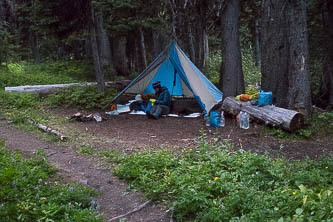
{"x": 115, "y": 198}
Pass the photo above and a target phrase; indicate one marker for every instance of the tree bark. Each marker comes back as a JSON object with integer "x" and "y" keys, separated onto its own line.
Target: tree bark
{"x": 274, "y": 51}
{"x": 256, "y": 43}
{"x": 143, "y": 48}
{"x": 95, "y": 52}
{"x": 205, "y": 48}
{"x": 190, "y": 37}
{"x": 103, "y": 41}
{"x": 284, "y": 54}
{"x": 326, "y": 88}
{"x": 173, "y": 7}
{"x": 299, "y": 92}
{"x": 34, "y": 45}
{"x": 1, "y": 11}
{"x": 157, "y": 43}
{"x": 119, "y": 57}
{"x": 231, "y": 74}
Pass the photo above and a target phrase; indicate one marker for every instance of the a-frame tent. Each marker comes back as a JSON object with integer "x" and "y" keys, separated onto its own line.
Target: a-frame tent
{"x": 182, "y": 78}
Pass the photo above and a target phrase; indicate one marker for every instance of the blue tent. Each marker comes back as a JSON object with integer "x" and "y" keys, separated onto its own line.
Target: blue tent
{"x": 182, "y": 78}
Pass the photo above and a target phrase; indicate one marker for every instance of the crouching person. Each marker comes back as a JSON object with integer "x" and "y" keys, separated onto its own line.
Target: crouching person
{"x": 162, "y": 102}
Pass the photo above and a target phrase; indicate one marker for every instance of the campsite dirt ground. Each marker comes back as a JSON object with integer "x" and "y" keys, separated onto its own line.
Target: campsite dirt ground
{"x": 134, "y": 133}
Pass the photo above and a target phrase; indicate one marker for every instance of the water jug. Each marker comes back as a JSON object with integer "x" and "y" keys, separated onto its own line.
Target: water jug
{"x": 244, "y": 120}
{"x": 222, "y": 120}
{"x": 207, "y": 120}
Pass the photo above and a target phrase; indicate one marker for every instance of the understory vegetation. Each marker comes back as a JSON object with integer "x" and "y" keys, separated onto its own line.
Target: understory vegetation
{"x": 252, "y": 72}
{"x": 30, "y": 192}
{"x": 216, "y": 183}
{"x": 206, "y": 183}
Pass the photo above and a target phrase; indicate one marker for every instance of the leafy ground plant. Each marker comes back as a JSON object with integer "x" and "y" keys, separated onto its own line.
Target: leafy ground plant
{"x": 221, "y": 185}
{"x": 28, "y": 192}
{"x": 24, "y": 73}
{"x": 83, "y": 97}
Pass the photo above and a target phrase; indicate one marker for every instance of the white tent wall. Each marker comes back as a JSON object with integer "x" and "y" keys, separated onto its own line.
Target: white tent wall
{"x": 187, "y": 92}
{"x": 198, "y": 86}
{"x": 140, "y": 86}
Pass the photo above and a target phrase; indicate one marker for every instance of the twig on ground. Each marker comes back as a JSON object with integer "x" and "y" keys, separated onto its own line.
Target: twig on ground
{"x": 51, "y": 154}
{"x": 48, "y": 129}
{"x": 133, "y": 211}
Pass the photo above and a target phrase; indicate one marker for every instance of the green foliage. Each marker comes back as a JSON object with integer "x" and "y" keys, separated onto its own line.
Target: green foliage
{"x": 84, "y": 97}
{"x": 212, "y": 68}
{"x": 46, "y": 73}
{"x": 86, "y": 150}
{"x": 320, "y": 126}
{"x": 252, "y": 74}
{"x": 220, "y": 185}
{"x": 19, "y": 100}
{"x": 7, "y": 48}
{"x": 27, "y": 192}
{"x": 111, "y": 156}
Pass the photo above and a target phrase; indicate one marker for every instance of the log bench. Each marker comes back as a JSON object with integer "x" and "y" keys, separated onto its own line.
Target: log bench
{"x": 288, "y": 120}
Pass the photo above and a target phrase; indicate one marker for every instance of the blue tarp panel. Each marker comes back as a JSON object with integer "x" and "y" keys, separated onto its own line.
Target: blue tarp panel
{"x": 166, "y": 75}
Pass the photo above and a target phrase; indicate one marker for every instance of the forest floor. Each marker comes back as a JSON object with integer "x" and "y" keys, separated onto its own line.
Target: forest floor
{"x": 135, "y": 133}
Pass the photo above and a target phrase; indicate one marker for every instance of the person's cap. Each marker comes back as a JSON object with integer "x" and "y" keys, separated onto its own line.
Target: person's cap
{"x": 157, "y": 84}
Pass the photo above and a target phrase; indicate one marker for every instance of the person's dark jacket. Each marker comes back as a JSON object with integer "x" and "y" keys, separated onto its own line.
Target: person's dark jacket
{"x": 163, "y": 98}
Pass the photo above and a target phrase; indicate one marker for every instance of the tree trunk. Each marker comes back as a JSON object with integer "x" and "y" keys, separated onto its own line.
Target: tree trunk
{"x": 326, "y": 88}
{"x": 34, "y": 45}
{"x": 190, "y": 37}
{"x": 119, "y": 56}
{"x": 173, "y": 17}
{"x": 299, "y": 92}
{"x": 256, "y": 43}
{"x": 1, "y": 11}
{"x": 103, "y": 41}
{"x": 157, "y": 43}
{"x": 231, "y": 75}
{"x": 95, "y": 53}
{"x": 2, "y": 28}
{"x": 274, "y": 51}
{"x": 205, "y": 48}
{"x": 143, "y": 48}
{"x": 284, "y": 51}
{"x": 200, "y": 44}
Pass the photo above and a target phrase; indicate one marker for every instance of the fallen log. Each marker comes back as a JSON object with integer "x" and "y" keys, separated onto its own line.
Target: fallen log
{"x": 48, "y": 130}
{"x": 45, "y": 89}
{"x": 288, "y": 120}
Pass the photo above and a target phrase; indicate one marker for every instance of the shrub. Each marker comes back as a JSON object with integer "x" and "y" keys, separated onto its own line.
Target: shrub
{"x": 12, "y": 100}
{"x": 83, "y": 97}
{"x": 320, "y": 126}
{"x": 24, "y": 73}
{"x": 208, "y": 185}
{"x": 27, "y": 192}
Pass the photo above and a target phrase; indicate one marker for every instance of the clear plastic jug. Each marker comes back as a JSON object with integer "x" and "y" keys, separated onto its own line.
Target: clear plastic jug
{"x": 244, "y": 120}
{"x": 222, "y": 120}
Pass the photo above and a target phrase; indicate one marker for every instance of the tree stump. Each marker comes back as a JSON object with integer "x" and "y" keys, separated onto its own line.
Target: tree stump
{"x": 288, "y": 120}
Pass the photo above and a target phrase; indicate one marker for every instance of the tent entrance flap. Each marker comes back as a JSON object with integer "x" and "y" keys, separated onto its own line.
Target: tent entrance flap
{"x": 163, "y": 75}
